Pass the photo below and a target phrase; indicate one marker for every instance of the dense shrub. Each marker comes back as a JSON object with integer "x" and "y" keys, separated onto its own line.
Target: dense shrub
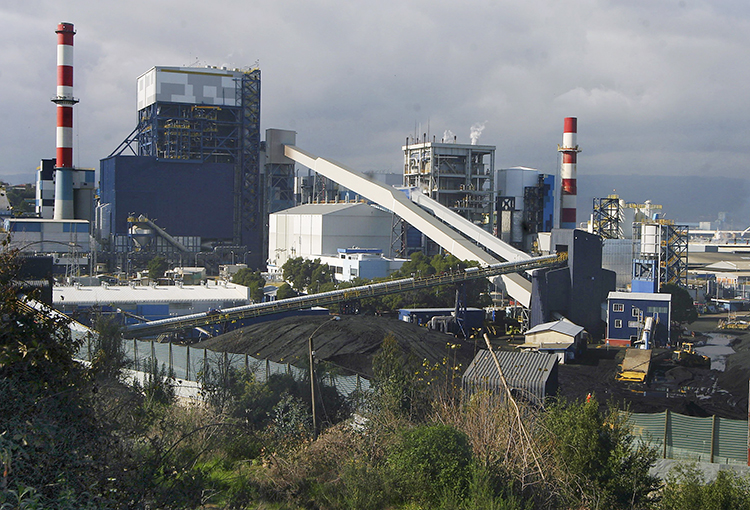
{"x": 687, "y": 489}
{"x": 597, "y": 459}
{"x": 431, "y": 462}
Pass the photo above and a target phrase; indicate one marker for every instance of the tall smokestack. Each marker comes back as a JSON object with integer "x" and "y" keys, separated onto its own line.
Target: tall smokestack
{"x": 64, "y": 101}
{"x": 569, "y": 149}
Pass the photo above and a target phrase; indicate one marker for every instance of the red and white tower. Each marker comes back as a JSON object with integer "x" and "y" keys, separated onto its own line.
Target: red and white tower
{"x": 64, "y": 100}
{"x": 569, "y": 190}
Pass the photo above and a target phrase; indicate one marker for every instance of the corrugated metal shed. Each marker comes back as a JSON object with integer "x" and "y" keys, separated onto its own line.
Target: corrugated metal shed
{"x": 531, "y": 375}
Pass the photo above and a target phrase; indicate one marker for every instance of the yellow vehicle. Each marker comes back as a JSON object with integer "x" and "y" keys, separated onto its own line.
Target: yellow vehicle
{"x": 687, "y": 356}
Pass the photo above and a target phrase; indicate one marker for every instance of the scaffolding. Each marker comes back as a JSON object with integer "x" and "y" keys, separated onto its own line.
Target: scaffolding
{"x": 608, "y": 217}
{"x": 660, "y": 252}
{"x": 455, "y": 175}
{"x": 249, "y": 214}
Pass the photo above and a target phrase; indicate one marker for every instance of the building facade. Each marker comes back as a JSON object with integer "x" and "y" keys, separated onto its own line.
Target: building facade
{"x": 198, "y": 133}
{"x": 315, "y": 230}
{"x": 627, "y": 313}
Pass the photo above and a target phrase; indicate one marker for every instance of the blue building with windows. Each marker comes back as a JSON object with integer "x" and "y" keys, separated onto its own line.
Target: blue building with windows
{"x": 627, "y": 313}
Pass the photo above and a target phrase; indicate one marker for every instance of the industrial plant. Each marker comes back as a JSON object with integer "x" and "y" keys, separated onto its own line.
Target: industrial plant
{"x": 560, "y": 283}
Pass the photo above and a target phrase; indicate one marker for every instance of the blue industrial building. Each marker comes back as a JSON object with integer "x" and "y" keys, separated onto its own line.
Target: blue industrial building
{"x": 193, "y": 163}
{"x": 184, "y": 198}
{"x": 627, "y": 313}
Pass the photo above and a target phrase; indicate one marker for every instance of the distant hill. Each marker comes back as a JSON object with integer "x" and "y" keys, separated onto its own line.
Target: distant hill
{"x": 685, "y": 199}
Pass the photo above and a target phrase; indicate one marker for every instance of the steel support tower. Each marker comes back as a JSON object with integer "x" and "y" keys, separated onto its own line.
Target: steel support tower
{"x": 458, "y": 176}
{"x": 661, "y": 253}
{"x": 608, "y": 216}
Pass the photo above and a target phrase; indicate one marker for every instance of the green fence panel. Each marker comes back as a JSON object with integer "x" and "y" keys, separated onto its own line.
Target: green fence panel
{"x": 690, "y": 438}
{"x": 731, "y": 441}
{"x": 717, "y": 440}
{"x": 649, "y": 428}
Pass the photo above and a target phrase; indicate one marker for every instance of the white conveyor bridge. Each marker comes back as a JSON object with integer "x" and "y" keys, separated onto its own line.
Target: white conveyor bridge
{"x": 518, "y": 287}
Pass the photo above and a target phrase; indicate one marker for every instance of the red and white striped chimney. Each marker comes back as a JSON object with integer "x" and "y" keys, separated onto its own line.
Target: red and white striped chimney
{"x": 64, "y": 100}
{"x": 569, "y": 149}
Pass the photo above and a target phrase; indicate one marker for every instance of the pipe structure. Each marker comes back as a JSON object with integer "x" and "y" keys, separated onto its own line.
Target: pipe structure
{"x": 64, "y": 100}
{"x": 569, "y": 189}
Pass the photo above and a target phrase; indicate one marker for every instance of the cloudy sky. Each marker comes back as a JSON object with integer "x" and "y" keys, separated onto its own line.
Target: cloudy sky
{"x": 660, "y": 87}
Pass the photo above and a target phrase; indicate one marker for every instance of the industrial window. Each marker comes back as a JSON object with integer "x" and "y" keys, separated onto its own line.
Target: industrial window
{"x": 618, "y": 323}
{"x": 636, "y": 312}
{"x": 75, "y": 227}
{"x": 618, "y": 307}
{"x": 657, "y": 309}
{"x": 25, "y": 227}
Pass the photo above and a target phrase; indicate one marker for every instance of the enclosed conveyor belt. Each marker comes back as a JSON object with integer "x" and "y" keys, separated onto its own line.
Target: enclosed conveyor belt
{"x": 396, "y": 201}
{"x": 469, "y": 229}
{"x": 153, "y": 328}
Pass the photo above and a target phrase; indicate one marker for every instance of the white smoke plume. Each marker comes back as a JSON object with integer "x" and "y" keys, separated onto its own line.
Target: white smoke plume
{"x": 448, "y": 136}
{"x": 476, "y": 131}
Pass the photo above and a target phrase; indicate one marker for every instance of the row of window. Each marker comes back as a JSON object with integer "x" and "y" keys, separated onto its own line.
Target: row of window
{"x": 650, "y": 310}
{"x": 340, "y": 270}
{"x": 631, "y": 325}
{"x": 32, "y": 226}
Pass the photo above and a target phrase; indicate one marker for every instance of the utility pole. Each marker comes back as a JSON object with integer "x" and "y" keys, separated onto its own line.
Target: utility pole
{"x": 311, "y": 352}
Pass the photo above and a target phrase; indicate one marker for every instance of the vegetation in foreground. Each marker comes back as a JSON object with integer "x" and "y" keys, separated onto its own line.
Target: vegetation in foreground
{"x": 75, "y": 436}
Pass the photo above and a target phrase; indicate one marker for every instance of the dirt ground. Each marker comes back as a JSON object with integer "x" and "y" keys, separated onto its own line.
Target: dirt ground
{"x": 690, "y": 391}
{"x": 352, "y": 341}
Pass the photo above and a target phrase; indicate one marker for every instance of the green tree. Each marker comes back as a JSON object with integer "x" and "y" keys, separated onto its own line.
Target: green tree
{"x": 285, "y": 291}
{"x": 683, "y": 307}
{"x": 107, "y": 350}
{"x": 54, "y": 449}
{"x": 20, "y": 199}
{"x": 157, "y": 266}
{"x": 253, "y": 280}
{"x": 396, "y": 383}
{"x": 421, "y": 266}
{"x": 305, "y": 274}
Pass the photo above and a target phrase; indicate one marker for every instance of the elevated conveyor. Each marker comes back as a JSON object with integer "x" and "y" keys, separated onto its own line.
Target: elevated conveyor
{"x": 441, "y": 233}
{"x": 154, "y": 328}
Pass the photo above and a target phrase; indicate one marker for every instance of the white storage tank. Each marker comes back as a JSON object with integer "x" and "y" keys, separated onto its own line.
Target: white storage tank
{"x": 649, "y": 239}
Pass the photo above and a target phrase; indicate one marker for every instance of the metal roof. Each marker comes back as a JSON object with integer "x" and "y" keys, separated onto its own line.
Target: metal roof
{"x": 327, "y": 208}
{"x": 561, "y": 326}
{"x": 525, "y": 371}
{"x": 729, "y": 265}
{"x": 114, "y": 294}
{"x": 644, "y": 296}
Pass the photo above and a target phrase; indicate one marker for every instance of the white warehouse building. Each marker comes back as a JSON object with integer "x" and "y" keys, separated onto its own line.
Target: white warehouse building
{"x": 319, "y": 230}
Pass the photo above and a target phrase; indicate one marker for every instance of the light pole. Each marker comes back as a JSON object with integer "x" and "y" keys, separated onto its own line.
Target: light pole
{"x": 311, "y": 353}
